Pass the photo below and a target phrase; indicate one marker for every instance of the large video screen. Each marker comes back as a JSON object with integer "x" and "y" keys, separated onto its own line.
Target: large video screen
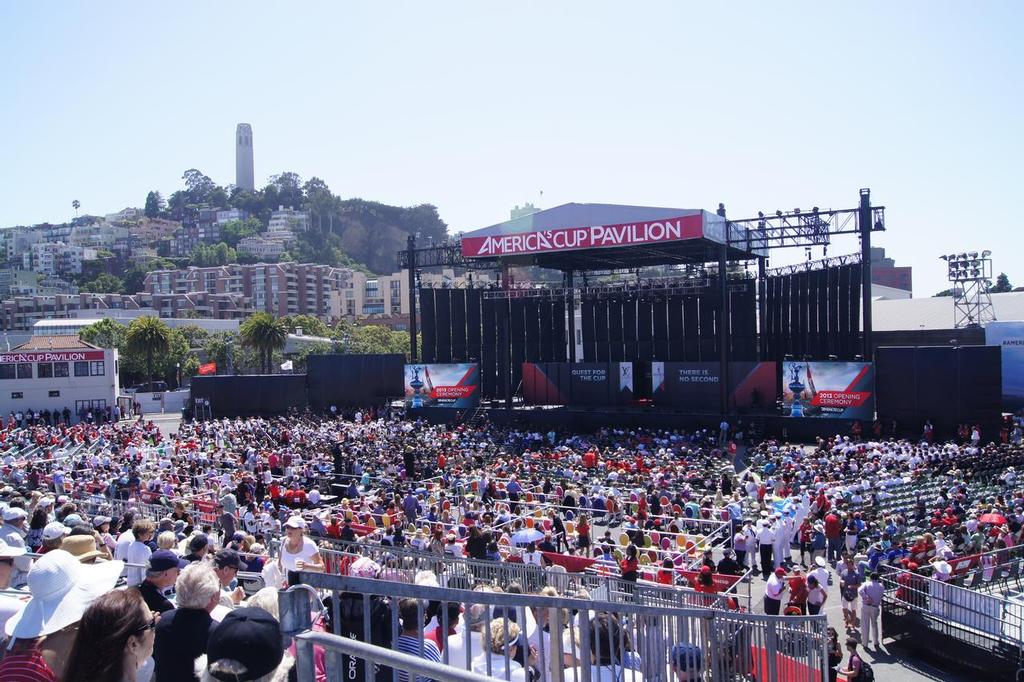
{"x": 580, "y": 383}
{"x": 434, "y": 385}
{"x": 1009, "y": 336}
{"x": 840, "y": 390}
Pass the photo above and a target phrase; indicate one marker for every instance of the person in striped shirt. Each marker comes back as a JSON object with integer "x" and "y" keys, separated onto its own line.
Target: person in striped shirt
{"x": 413, "y": 614}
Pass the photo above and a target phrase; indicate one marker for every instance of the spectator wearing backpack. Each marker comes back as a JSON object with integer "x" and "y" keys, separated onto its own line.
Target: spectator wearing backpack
{"x": 857, "y": 669}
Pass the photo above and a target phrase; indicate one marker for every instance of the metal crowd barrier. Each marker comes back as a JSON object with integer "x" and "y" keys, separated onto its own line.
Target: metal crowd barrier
{"x": 459, "y": 572}
{"x": 575, "y": 639}
{"x": 965, "y": 626}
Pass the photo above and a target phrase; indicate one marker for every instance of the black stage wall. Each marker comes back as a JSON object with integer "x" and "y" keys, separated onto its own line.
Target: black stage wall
{"x": 251, "y": 395}
{"x": 946, "y": 385}
{"x": 354, "y": 380}
{"x": 814, "y": 313}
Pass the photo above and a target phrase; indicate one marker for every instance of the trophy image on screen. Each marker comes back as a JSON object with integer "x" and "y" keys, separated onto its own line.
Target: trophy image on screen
{"x": 797, "y": 388}
{"x": 416, "y": 384}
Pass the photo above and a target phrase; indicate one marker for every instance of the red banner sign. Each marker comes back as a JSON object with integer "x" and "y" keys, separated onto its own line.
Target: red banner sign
{"x": 591, "y": 237}
{"x": 52, "y": 356}
{"x": 208, "y": 368}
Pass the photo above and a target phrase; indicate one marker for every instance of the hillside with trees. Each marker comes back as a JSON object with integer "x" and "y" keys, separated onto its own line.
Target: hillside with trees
{"x": 345, "y": 232}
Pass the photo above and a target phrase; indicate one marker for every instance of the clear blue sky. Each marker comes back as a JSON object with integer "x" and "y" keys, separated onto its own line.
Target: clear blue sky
{"x": 476, "y": 107}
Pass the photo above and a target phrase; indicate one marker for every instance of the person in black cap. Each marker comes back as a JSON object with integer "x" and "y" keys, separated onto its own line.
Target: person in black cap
{"x": 198, "y": 546}
{"x": 227, "y": 564}
{"x": 245, "y": 647}
{"x": 161, "y": 574}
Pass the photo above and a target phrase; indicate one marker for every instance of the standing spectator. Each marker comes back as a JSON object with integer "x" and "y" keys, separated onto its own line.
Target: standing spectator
{"x": 816, "y": 596}
{"x": 765, "y": 541}
{"x": 833, "y": 536}
{"x": 855, "y": 665}
{"x": 182, "y": 634}
{"x": 773, "y": 592}
{"x": 115, "y": 639}
{"x": 850, "y": 579}
{"x": 871, "y": 594}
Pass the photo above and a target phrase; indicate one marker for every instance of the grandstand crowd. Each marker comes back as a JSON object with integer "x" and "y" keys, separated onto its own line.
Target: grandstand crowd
{"x": 187, "y": 522}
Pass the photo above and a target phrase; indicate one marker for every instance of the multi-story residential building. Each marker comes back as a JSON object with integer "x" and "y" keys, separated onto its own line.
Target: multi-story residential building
{"x": 20, "y": 313}
{"x": 19, "y": 240}
{"x": 384, "y": 299}
{"x": 277, "y": 288}
{"x": 288, "y": 220}
{"x": 56, "y": 258}
{"x": 257, "y": 246}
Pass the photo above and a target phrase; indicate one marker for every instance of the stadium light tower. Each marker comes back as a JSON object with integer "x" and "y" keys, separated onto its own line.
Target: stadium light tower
{"x": 971, "y": 276}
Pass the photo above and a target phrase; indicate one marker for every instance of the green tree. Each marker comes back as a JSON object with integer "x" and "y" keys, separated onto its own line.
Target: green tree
{"x": 76, "y": 204}
{"x": 265, "y": 334}
{"x": 236, "y": 230}
{"x": 104, "y": 284}
{"x": 310, "y": 325}
{"x": 1002, "y": 284}
{"x": 154, "y": 205}
{"x": 148, "y": 336}
{"x": 106, "y": 334}
{"x": 944, "y": 292}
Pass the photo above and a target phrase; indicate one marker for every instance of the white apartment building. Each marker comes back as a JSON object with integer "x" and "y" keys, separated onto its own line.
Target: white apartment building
{"x": 260, "y": 247}
{"x": 288, "y": 220}
{"x": 56, "y": 258}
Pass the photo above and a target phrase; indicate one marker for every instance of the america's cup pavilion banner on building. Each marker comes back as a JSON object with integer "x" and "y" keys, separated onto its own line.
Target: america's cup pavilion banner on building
{"x": 584, "y": 237}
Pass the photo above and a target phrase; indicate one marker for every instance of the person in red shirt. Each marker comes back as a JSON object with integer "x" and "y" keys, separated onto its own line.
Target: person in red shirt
{"x": 798, "y": 591}
{"x": 334, "y": 529}
{"x": 629, "y": 567}
{"x": 667, "y": 573}
{"x": 834, "y": 535}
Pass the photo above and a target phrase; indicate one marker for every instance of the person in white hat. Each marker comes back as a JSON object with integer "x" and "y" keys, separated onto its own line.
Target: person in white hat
{"x": 13, "y": 533}
{"x": 298, "y": 552}
{"x": 9, "y": 603}
{"x": 61, "y": 589}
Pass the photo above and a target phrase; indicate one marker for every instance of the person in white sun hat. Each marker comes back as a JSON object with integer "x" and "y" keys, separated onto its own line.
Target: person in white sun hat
{"x": 9, "y": 603}
{"x": 61, "y": 588}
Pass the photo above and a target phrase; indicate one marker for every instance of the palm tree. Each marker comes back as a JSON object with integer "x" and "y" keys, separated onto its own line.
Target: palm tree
{"x": 75, "y": 205}
{"x": 264, "y": 333}
{"x": 148, "y": 335}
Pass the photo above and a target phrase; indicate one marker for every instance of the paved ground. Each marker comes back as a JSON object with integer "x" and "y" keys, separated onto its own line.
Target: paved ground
{"x": 168, "y": 423}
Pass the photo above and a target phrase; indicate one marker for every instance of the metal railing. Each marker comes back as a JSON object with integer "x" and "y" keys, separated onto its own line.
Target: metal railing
{"x": 575, "y": 639}
{"x": 401, "y": 563}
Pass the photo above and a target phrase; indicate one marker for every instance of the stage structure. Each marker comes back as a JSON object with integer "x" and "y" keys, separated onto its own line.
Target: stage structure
{"x": 718, "y": 304}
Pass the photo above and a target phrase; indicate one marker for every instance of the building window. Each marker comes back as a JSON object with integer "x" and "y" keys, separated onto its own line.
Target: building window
{"x": 54, "y": 394}
{"x": 7, "y": 372}
{"x": 44, "y": 370}
{"x": 60, "y": 369}
{"x": 24, "y": 370}
{"x": 17, "y": 395}
{"x": 81, "y": 369}
{"x": 97, "y": 368}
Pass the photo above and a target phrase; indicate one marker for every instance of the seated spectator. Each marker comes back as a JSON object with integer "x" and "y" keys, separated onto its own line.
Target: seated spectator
{"x": 247, "y": 645}
{"x": 114, "y": 641}
{"x": 42, "y": 633}
{"x": 182, "y": 634}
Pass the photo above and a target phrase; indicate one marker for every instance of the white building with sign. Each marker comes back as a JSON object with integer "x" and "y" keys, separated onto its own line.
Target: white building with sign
{"x": 57, "y": 372}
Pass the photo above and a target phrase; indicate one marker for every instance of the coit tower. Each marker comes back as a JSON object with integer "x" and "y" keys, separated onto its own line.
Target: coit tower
{"x": 243, "y": 157}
